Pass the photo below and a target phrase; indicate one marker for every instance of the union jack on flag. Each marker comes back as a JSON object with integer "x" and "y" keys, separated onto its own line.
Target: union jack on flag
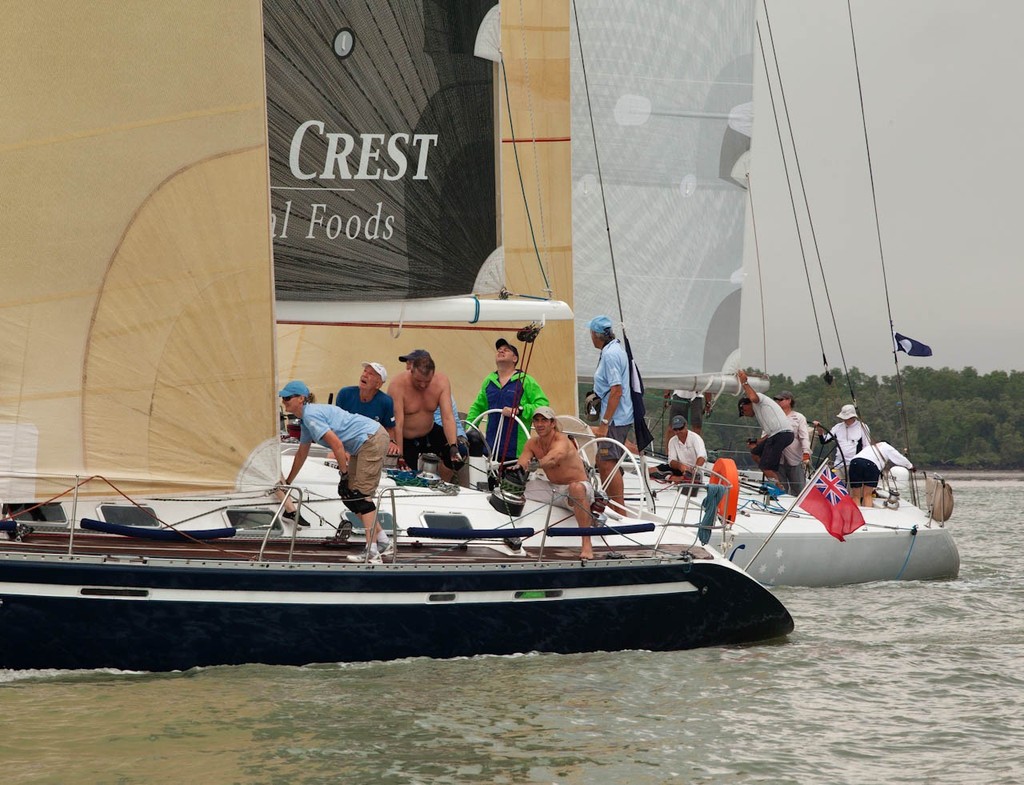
{"x": 831, "y": 487}
{"x": 830, "y": 502}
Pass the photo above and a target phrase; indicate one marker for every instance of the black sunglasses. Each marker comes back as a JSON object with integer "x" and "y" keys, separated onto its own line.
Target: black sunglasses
{"x": 288, "y": 397}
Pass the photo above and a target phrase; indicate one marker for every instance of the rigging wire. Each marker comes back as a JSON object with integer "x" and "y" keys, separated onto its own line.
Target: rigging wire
{"x": 807, "y": 209}
{"x": 904, "y": 422}
{"x": 792, "y": 199}
{"x": 519, "y": 172}
{"x": 760, "y": 277}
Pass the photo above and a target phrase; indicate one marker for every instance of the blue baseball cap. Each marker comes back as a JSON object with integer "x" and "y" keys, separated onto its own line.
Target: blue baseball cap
{"x": 600, "y": 325}
{"x": 294, "y": 387}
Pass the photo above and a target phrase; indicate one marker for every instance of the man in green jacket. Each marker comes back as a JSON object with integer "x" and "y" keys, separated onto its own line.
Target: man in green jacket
{"x": 512, "y": 391}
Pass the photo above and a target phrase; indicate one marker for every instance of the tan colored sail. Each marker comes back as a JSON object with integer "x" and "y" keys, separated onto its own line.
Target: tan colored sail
{"x": 536, "y": 51}
{"x": 136, "y": 310}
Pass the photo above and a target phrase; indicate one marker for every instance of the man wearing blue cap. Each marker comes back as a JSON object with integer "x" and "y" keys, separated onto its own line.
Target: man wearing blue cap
{"x": 359, "y": 445}
{"x": 612, "y": 386}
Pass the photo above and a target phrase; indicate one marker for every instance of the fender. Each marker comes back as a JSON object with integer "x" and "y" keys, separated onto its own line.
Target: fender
{"x": 726, "y": 467}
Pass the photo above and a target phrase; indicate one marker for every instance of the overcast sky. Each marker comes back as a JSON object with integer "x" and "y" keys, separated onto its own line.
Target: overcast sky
{"x": 945, "y": 121}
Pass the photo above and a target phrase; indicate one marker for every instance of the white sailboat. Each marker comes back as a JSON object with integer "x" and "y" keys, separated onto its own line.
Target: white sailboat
{"x": 662, "y": 118}
{"x": 142, "y": 525}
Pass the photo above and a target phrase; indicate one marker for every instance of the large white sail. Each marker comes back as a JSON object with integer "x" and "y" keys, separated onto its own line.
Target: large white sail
{"x": 136, "y": 308}
{"x": 668, "y": 88}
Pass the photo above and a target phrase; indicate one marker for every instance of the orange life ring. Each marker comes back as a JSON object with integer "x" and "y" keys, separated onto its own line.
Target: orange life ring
{"x": 726, "y": 467}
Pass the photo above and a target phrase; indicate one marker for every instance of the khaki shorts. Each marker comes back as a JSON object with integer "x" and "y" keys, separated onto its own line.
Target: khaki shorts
{"x": 612, "y": 452}
{"x": 364, "y": 467}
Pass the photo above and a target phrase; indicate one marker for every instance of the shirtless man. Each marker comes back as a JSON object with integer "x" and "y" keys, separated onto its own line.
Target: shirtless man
{"x": 417, "y": 393}
{"x": 567, "y": 484}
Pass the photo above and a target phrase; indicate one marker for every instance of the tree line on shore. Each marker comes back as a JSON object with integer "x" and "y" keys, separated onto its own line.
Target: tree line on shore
{"x": 957, "y": 419}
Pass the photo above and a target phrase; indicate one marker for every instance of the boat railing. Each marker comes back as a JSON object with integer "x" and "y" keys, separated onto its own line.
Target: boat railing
{"x": 285, "y": 494}
{"x": 646, "y": 501}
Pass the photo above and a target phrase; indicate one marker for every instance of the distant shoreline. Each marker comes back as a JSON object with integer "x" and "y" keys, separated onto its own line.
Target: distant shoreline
{"x": 980, "y": 474}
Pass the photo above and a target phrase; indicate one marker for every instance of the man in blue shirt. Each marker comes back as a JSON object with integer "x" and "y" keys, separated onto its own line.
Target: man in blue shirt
{"x": 612, "y": 386}
{"x": 368, "y": 399}
{"x": 359, "y": 445}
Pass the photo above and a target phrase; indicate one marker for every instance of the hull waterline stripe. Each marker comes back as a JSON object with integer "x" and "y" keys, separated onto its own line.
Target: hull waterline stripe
{"x": 523, "y": 594}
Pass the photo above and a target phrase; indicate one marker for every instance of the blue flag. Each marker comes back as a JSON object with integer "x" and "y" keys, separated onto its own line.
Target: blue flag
{"x": 643, "y": 434}
{"x": 911, "y": 347}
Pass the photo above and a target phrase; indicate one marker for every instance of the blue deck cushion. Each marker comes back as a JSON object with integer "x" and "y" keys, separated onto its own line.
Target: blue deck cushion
{"x": 8, "y": 526}
{"x": 469, "y": 534}
{"x": 147, "y": 533}
{"x": 600, "y": 531}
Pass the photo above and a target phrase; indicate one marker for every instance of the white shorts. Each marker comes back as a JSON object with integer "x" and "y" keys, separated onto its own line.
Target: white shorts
{"x": 540, "y": 490}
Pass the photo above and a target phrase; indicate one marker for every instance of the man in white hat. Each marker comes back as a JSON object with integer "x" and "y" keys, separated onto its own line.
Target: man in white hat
{"x": 567, "y": 484}
{"x": 368, "y": 399}
{"x": 851, "y": 436}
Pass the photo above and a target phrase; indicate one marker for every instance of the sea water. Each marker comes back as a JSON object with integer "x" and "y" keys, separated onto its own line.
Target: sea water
{"x": 880, "y": 683}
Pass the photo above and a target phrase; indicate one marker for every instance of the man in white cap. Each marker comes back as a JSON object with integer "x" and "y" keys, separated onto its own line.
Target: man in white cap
{"x": 567, "y": 484}
{"x": 851, "y": 436}
{"x": 368, "y": 399}
{"x": 359, "y": 445}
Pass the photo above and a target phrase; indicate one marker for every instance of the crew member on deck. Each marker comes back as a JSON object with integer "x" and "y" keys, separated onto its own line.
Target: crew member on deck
{"x": 368, "y": 399}
{"x": 359, "y": 445}
{"x": 512, "y": 391}
{"x": 776, "y": 430}
{"x": 567, "y": 484}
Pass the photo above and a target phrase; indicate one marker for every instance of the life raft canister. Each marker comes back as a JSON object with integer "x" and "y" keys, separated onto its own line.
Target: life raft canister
{"x": 726, "y": 473}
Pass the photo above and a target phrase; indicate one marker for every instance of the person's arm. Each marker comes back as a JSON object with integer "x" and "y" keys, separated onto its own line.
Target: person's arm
{"x": 675, "y": 455}
{"x": 702, "y": 451}
{"x": 388, "y": 421}
{"x": 393, "y": 446}
{"x": 397, "y": 393}
{"x": 614, "y": 396}
{"x": 558, "y": 452}
{"x": 340, "y": 454}
{"x": 297, "y": 461}
{"x": 451, "y": 435}
{"x": 533, "y": 396}
{"x": 745, "y": 384}
{"x": 524, "y": 457}
{"x": 896, "y": 457}
{"x": 480, "y": 404}
{"x": 804, "y": 440}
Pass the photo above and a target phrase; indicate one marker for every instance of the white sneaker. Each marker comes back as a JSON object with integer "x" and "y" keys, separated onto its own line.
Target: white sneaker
{"x": 386, "y": 549}
{"x": 369, "y": 557}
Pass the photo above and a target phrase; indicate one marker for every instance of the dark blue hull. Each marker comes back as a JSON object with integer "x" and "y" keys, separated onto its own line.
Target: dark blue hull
{"x": 144, "y": 617}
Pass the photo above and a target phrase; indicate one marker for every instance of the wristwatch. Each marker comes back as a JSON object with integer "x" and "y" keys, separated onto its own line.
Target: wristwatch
{"x": 604, "y": 421}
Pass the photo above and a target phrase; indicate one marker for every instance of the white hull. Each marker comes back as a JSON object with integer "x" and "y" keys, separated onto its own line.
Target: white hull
{"x": 894, "y": 544}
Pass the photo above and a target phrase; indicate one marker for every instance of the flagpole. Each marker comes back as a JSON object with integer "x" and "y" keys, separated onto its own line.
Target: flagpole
{"x": 799, "y": 498}
{"x": 901, "y": 403}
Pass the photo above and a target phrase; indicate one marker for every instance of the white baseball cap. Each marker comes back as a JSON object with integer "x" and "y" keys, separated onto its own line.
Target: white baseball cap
{"x": 380, "y": 369}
